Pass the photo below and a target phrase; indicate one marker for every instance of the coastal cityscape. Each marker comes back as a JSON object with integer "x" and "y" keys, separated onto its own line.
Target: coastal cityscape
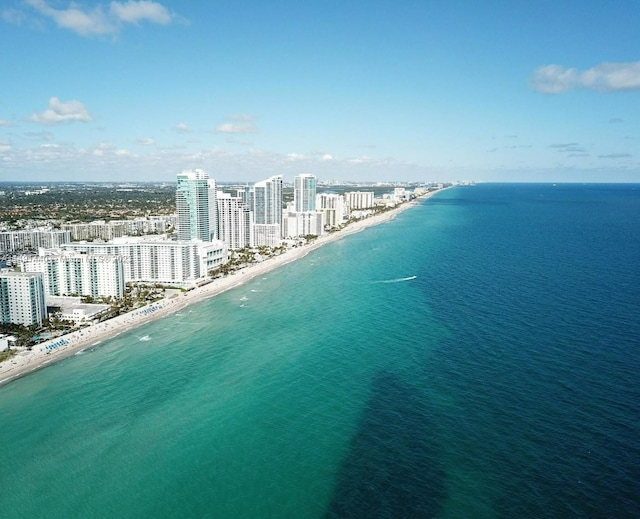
{"x": 338, "y": 260}
{"x": 62, "y": 283}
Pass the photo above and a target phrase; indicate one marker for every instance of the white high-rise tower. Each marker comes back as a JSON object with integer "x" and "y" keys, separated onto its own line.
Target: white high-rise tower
{"x": 266, "y": 205}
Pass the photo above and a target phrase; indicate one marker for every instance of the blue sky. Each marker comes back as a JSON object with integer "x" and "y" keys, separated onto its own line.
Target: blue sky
{"x": 348, "y": 90}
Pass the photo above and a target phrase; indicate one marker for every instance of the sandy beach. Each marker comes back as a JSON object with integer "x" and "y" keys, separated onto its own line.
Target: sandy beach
{"x": 54, "y": 350}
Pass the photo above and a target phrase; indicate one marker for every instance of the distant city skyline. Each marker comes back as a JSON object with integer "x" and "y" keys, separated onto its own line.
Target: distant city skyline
{"x": 363, "y": 91}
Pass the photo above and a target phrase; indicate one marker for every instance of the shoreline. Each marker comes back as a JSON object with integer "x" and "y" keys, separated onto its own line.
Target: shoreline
{"x": 49, "y": 352}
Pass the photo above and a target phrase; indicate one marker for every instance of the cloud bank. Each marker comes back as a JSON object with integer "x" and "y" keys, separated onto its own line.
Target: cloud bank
{"x": 605, "y": 77}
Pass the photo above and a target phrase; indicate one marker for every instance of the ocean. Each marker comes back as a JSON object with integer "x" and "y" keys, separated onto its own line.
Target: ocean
{"x": 477, "y": 356}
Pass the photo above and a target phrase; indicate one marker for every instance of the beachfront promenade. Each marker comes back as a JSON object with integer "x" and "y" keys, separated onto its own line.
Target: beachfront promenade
{"x": 59, "y": 348}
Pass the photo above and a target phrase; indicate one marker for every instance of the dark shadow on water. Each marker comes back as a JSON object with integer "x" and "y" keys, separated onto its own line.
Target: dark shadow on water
{"x": 392, "y": 468}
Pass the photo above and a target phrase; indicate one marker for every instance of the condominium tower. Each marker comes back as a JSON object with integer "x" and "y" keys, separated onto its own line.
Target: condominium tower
{"x": 304, "y": 193}
{"x": 266, "y": 205}
{"x": 192, "y": 201}
{"x": 233, "y": 220}
{"x": 22, "y": 298}
{"x": 66, "y": 273}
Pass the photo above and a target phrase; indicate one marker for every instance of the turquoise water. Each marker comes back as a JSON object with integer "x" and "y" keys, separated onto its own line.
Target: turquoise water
{"x": 475, "y": 357}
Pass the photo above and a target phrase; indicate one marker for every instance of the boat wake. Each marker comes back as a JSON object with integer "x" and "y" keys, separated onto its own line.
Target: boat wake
{"x": 396, "y": 280}
{"x": 145, "y": 338}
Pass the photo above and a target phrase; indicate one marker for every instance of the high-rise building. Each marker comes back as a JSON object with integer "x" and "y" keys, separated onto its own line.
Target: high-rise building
{"x": 303, "y": 223}
{"x": 304, "y": 193}
{"x": 233, "y": 220}
{"x": 192, "y": 202}
{"x": 22, "y": 298}
{"x": 67, "y": 273}
{"x": 267, "y": 201}
{"x": 160, "y": 261}
{"x": 332, "y": 206}
{"x": 266, "y": 205}
{"x": 359, "y": 200}
{"x": 213, "y": 210}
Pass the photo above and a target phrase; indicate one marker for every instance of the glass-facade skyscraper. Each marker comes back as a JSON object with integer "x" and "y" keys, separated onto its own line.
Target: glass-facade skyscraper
{"x": 267, "y": 201}
{"x": 304, "y": 193}
{"x": 192, "y": 203}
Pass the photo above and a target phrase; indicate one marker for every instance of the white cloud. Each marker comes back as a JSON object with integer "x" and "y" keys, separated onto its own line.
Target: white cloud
{"x": 100, "y": 20}
{"x": 4, "y": 123}
{"x": 236, "y": 128}
{"x": 5, "y": 147}
{"x": 60, "y": 112}
{"x": 182, "y": 128}
{"x": 604, "y": 77}
{"x": 133, "y": 12}
{"x": 84, "y": 22}
{"x": 146, "y": 142}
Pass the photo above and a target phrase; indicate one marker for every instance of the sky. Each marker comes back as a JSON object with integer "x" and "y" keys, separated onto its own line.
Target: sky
{"x": 356, "y": 90}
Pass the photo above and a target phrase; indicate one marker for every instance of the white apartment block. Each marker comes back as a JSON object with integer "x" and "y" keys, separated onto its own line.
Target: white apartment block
{"x": 17, "y": 241}
{"x": 333, "y": 207}
{"x": 175, "y": 262}
{"x": 22, "y": 298}
{"x": 266, "y": 207}
{"x": 359, "y": 200}
{"x": 268, "y": 234}
{"x": 100, "y": 230}
{"x": 234, "y": 221}
{"x": 117, "y": 228}
{"x": 68, "y": 273}
{"x": 302, "y": 223}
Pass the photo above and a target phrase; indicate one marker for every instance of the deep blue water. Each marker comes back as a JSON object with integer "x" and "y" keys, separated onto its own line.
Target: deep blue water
{"x": 478, "y": 356}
